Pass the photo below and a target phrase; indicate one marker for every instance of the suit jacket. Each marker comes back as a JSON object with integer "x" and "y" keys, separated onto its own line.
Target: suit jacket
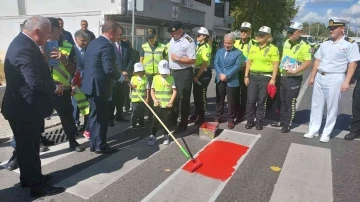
{"x": 229, "y": 66}
{"x": 124, "y": 60}
{"x": 79, "y": 60}
{"x": 29, "y": 85}
{"x": 100, "y": 63}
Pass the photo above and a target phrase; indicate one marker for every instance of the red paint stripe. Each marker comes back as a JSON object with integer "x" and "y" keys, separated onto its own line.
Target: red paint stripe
{"x": 219, "y": 159}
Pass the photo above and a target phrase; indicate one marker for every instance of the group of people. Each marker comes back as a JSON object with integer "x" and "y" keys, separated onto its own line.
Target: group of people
{"x": 46, "y": 70}
{"x": 253, "y": 66}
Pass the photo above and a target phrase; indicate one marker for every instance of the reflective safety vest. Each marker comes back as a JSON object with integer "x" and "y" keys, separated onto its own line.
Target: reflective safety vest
{"x": 294, "y": 55}
{"x": 140, "y": 88}
{"x": 163, "y": 89}
{"x": 59, "y": 73}
{"x": 244, "y": 47}
{"x": 152, "y": 58}
{"x": 82, "y": 102}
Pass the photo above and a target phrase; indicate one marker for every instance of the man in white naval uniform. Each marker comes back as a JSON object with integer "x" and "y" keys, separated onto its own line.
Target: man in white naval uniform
{"x": 334, "y": 66}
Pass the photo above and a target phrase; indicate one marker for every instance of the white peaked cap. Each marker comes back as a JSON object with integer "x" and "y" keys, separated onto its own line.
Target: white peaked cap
{"x": 265, "y": 30}
{"x": 138, "y": 67}
{"x": 203, "y": 30}
{"x": 163, "y": 67}
{"x": 245, "y": 25}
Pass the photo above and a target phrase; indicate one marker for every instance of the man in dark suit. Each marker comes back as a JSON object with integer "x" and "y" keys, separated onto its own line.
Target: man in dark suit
{"x": 28, "y": 100}
{"x": 121, "y": 88}
{"x": 99, "y": 73}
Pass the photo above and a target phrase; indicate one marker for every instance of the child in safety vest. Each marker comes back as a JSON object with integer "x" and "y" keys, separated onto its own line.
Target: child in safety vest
{"x": 163, "y": 93}
{"x": 140, "y": 84}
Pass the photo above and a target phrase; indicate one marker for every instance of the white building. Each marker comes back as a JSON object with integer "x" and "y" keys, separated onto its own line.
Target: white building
{"x": 156, "y": 14}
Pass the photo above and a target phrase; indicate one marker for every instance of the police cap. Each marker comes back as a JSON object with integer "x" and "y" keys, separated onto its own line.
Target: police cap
{"x": 174, "y": 26}
{"x": 150, "y": 33}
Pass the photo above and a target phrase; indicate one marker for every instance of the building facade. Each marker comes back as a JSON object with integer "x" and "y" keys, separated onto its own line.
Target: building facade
{"x": 156, "y": 14}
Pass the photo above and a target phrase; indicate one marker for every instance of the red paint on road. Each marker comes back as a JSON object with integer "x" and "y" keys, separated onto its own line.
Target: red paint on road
{"x": 219, "y": 159}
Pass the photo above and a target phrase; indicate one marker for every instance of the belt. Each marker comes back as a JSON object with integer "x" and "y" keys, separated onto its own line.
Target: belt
{"x": 67, "y": 88}
{"x": 176, "y": 70}
{"x": 261, "y": 73}
{"x": 326, "y": 73}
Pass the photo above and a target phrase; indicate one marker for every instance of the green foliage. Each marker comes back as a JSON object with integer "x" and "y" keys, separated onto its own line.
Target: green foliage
{"x": 275, "y": 14}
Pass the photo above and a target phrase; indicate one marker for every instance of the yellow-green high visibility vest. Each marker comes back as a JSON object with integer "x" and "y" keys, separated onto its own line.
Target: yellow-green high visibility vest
{"x": 163, "y": 89}
{"x": 60, "y": 73}
{"x": 140, "y": 88}
{"x": 152, "y": 58}
{"x": 82, "y": 103}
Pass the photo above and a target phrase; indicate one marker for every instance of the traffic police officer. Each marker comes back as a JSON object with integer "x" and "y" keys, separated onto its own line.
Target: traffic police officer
{"x": 244, "y": 44}
{"x": 261, "y": 69}
{"x": 332, "y": 71}
{"x": 60, "y": 74}
{"x": 296, "y": 57}
{"x": 182, "y": 58}
{"x": 151, "y": 54}
{"x": 202, "y": 75}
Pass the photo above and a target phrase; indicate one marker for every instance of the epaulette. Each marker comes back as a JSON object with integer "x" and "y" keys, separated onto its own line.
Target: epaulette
{"x": 189, "y": 39}
{"x": 349, "y": 40}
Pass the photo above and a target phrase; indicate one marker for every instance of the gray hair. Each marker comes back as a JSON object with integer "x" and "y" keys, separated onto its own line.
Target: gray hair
{"x": 81, "y": 34}
{"x": 36, "y": 22}
{"x": 230, "y": 36}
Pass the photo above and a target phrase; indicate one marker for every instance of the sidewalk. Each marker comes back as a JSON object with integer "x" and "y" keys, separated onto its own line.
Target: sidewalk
{"x": 5, "y": 130}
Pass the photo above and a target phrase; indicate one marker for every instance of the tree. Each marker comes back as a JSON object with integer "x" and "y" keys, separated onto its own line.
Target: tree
{"x": 275, "y": 14}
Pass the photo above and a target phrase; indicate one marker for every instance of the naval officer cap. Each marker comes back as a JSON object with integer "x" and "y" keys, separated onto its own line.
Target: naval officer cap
{"x": 174, "y": 26}
{"x": 150, "y": 33}
{"x": 245, "y": 26}
{"x": 337, "y": 22}
{"x": 294, "y": 27}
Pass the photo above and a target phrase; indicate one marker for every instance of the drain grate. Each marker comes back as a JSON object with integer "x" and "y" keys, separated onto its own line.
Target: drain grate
{"x": 56, "y": 134}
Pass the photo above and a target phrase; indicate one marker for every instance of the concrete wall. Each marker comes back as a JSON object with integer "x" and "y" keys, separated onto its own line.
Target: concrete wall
{"x": 9, "y": 8}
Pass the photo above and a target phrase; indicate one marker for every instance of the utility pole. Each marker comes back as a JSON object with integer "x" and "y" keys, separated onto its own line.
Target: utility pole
{"x": 133, "y": 23}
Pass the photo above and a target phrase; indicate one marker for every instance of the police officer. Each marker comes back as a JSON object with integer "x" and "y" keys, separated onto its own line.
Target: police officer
{"x": 332, "y": 71}
{"x": 244, "y": 44}
{"x": 182, "y": 58}
{"x": 202, "y": 75}
{"x": 296, "y": 57}
{"x": 151, "y": 54}
{"x": 60, "y": 74}
{"x": 261, "y": 69}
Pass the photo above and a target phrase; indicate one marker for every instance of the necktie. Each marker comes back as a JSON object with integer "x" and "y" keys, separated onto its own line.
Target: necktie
{"x": 82, "y": 53}
{"x": 119, "y": 49}
{"x": 227, "y": 53}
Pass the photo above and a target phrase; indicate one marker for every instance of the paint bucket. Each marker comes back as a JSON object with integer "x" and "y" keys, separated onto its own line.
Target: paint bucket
{"x": 208, "y": 129}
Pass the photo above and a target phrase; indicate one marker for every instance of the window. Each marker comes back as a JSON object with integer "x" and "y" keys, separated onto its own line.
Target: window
{"x": 206, "y": 2}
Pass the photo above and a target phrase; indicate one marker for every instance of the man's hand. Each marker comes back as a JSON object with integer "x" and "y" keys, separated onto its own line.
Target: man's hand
{"x": 55, "y": 54}
{"x": 196, "y": 79}
{"x": 59, "y": 90}
{"x": 170, "y": 104}
{"x": 222, "y": 77}
{"x": 174, "y": 57}
{"x": 156, "y": 103}
{"x": 311, "y": 81}
{"x": 124, "y": 73}
{"x": 246, "y": 81}
{"x": 272, "y": 82}
{"x": 345, "y": 86}
{"x": 292, "y": 72}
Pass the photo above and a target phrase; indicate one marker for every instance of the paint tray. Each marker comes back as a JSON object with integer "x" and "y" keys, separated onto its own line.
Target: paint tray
{"x": 208, "y": 129}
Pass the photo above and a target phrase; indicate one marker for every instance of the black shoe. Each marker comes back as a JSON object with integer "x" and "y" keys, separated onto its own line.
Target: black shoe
{"x": 25, "y": 184}
{"x": 249, "y": 125}
{"x": 45, "y": 190}
{"x": 259, "y": 126}
{"x": 351, "y": 136}
{"x": 12, "y": 164}
{"x": 46, "y": 142}
{"x": 92, "y": 149}
{"x": 107, "y": 150}
{"x": 285, "y": 129}
{"x": 111, "y": 123}
{"x": 277, "y": 124}
{"x": 75, "y": 146}
{"x": 43, "y": 148}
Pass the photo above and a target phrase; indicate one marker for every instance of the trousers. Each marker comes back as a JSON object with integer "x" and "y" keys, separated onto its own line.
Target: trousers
{"x": 164, "y": 115}
{"x": 200, "y": 92}
{"x": 355, "y": 123}
{"x": 326, "y": 89}
{"x": 289, "y": 91}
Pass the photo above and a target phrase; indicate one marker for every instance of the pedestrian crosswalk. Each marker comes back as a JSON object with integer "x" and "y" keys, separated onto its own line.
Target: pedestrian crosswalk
{"x": 138, "y": 172}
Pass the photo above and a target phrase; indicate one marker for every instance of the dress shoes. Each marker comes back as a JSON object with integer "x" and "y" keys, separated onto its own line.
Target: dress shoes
{"x": 259, "y": 126}
{"x": 351, "y": 136}
{"x": 285, "y": 129}
{"x": 45, "y": 190}
{"x": 12, "y": 164}
{"x": 75, "y": 146}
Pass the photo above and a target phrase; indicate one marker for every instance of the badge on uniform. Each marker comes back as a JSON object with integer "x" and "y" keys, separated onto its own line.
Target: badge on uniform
{"x": 266, "y": 51}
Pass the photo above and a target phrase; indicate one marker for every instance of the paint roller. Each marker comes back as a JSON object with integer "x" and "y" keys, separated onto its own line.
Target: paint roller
{"x": 196, "y": 163}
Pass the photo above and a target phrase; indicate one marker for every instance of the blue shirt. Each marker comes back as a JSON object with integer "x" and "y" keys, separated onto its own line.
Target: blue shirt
{"x": 335, "y": 56}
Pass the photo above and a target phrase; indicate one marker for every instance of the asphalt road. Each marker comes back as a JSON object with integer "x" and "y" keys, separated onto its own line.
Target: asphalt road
{"x": 276, "y": 167}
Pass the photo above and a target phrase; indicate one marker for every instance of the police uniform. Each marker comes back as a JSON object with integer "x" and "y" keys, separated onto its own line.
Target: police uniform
{"x": 293, "y": 56}
{"x": 244, "y": 47}
{"x": 62, "y": 103}
{"x": 334, "y": 57}
{"x": 260, "y": 74}
{"x": 182, "y": 73}
{"x": 151, "y": 55}
{"x": 203, "y": 54}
